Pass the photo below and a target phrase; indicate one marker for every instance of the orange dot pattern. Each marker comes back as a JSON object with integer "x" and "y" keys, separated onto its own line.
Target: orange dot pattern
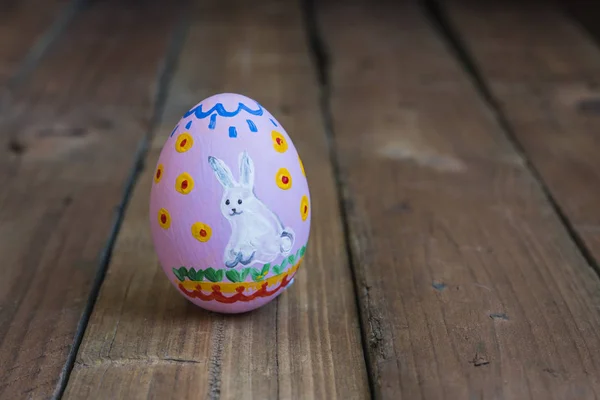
{"x": 279, "y": 142}
{"x": 158, "y": 173}
{"x": 184, "y": 142}
{"x": 304, "y": 207}
{"x": 164, "y": 218}
{"x": 201, "y": 232}
{"x": 184, "y": 183}
{"x": 283, "y": 179}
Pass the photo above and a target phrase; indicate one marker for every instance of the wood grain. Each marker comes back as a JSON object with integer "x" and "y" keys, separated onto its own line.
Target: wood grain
{"x": 304, "y": 344}
{"x": 470, "y": 286}
{"x": 68, "y": 143}
{"x": 22, "y": 25}
{"x": 545, "y": 77}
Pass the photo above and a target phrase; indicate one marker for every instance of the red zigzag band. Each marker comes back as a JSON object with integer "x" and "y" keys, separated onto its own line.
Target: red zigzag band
{"x": 239, "y": 296}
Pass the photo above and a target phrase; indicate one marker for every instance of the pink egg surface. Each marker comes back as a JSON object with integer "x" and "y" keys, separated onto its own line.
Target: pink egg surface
{"x": 230, "y": 205}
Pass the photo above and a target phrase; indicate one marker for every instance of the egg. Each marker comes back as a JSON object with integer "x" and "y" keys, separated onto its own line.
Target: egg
{"x": 230, "y": 205}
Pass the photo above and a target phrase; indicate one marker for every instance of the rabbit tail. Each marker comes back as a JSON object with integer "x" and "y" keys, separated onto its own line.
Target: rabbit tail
{"x": 287, "y": 241}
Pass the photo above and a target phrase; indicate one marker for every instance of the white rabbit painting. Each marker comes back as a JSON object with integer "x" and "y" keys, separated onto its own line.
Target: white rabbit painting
{"x": 257, "y": 234}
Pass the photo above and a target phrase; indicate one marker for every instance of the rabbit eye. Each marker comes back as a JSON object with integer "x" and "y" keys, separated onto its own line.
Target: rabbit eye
{"x": 240, "y": 201}
{"x": 227, "y": 202}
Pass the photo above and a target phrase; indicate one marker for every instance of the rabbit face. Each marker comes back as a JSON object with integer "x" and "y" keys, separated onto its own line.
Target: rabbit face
{"x": 237, "y": 197}
{"x": 235, "y": 201}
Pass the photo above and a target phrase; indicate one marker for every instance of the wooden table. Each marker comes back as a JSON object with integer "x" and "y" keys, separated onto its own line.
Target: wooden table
{"x": 453, "y": 155}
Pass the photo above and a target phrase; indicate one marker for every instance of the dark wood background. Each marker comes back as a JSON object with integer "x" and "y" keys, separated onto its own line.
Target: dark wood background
{"x": 452, "y": 150}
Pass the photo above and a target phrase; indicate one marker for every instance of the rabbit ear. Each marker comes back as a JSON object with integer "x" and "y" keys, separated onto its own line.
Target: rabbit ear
{"x": 246, "y": 170}
{"x": 222, "y": 172}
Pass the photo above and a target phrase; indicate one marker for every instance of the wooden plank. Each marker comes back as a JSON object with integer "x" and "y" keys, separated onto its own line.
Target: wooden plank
{"x": 25, "y": 23}
{"x": 469, "y": 285}
{"x": 304, "y": 344}
{"x": 68, "y": 143}
{"x": 545, "y": 77}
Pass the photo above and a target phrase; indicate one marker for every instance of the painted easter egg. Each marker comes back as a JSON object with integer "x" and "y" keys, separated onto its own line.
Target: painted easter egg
{"x": 230, "y": 207}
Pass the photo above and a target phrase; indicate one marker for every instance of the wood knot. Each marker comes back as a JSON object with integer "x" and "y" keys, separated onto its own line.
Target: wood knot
{"x": 480, "y": 360}
{"x": 285, "y": 109}
{"x": 50, "y": 142}
{"x": 589, "y": 106}
{"x": 16, "y": 147}
{"x": 402, "y": 207}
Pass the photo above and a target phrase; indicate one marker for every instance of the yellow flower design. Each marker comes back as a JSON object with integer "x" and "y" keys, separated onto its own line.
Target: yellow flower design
{"x": 283, "y": 179}
{"x": 184, "y": 183}
{"x": 201, "y": 232}
{"x": 279, "y": 142}
{"x": 184, "y": 143}
{"x": 301, "y": 165}
{"x": 304, "y": 208}
{"x": 164, "y": 218}
{"x": 159, "y": 173}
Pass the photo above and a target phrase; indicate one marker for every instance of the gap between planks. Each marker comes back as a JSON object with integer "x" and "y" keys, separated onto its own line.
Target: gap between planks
{"x": 322, "y": 66}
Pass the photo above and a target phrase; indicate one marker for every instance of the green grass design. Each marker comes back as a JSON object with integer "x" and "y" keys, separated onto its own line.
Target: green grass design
{"x": 216, "y": 276}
